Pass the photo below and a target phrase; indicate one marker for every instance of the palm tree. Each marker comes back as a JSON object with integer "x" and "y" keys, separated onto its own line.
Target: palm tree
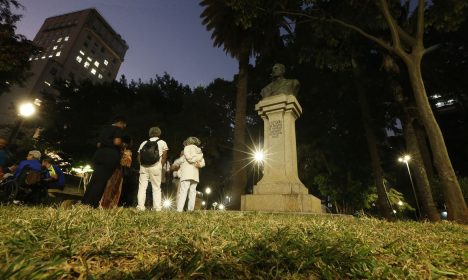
{"x": 242, "y": 32}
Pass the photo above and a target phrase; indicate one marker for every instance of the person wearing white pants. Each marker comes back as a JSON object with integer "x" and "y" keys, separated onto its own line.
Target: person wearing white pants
{"x": 191, "y": 162}
{"x": 152, "y": 173}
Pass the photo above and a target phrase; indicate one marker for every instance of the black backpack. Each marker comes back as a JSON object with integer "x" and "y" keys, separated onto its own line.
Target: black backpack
{"x": 149, "y": 153}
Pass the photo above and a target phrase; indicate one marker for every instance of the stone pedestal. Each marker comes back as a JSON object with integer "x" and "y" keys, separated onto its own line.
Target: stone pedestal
{"x": 280, "y": 189}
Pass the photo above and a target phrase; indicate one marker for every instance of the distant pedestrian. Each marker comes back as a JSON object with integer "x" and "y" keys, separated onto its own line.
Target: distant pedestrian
{"x": 189, "y": 173}
{"x": 152, "y": 155}
{"x": 105, "y": 161}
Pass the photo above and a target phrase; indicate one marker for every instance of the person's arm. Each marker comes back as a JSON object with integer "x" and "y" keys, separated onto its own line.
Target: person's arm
{"x": 164, "y": 158}
{"x": 200, "y": 163}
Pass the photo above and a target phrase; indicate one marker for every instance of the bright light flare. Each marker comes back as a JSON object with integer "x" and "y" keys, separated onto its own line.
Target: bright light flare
{"x": 167, "y": 203}
{"x": 400, "y": 203}
{"x": 208, "y": 190}
{"x": 221, "y": 206}
{"x": 259, "y": 156}
{"x": 404, "y": 158}
{"x": 26, "y": 109}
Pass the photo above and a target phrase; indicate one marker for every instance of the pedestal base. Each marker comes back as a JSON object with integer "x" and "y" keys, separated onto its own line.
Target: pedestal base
{"x": 281, "y": 203}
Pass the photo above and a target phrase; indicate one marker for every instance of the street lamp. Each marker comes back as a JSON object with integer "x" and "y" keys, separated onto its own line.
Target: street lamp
{"x": 405, "y": 159}
{"x": 207, "y": 192}
{"x": 25, "y": 110}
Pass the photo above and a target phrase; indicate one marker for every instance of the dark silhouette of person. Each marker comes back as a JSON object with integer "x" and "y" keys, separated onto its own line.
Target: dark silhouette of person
{"x": 105, "y": 160}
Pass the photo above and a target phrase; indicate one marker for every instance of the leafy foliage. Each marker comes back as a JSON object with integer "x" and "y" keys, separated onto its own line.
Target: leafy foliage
{"x": 15, "y": 49}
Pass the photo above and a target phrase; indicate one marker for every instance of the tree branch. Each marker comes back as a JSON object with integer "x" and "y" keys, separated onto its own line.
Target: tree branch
{"x": 393, "y": 26}
{"x": 420, "y": 23}
{"x": 407, "y": 38}
{"x": 432, "y": 48}
{"x": 377, "y": 40}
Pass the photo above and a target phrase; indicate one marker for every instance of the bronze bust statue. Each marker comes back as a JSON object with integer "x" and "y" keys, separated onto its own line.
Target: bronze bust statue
{"x": 280, "y": 85}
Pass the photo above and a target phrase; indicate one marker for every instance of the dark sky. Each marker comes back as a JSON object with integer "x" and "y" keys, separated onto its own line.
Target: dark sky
{"x": 163, "y": 36}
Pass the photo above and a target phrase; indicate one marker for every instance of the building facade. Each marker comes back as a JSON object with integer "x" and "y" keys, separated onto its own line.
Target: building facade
{"x": 79, "y": 45}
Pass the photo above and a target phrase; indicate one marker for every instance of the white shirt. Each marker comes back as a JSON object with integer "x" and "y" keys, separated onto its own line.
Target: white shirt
{"x": 162, "y": 146}
{"x": 192, "y": 155}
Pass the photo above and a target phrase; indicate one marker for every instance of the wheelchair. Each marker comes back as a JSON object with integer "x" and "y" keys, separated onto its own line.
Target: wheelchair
{"x": 22, "y": 189}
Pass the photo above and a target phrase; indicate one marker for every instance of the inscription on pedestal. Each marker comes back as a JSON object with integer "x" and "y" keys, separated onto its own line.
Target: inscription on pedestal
{"x": 276, "y": 128}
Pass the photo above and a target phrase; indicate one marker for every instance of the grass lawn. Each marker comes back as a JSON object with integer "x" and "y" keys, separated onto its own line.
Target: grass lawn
{"x": 51, "y": 243}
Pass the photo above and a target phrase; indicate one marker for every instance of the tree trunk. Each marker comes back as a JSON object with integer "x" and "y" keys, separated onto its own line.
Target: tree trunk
{"x": 456, "y": 205}
{"x": 382, "y": 202}
{"x": 424, "y": 149}
{"x": 418, "y": 168}
{"x": 238, "y": 172}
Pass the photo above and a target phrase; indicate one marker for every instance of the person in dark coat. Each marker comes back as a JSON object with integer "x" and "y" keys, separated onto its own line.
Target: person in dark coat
{"x": 105, "y": 160}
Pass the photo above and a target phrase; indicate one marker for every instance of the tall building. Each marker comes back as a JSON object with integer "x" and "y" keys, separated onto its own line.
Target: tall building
{"x": 79, "y": 45}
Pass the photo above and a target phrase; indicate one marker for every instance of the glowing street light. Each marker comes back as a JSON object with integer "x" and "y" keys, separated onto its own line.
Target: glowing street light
{"x": 26, "y": 109}
{"x": 259, "y": 156}
{"x": 405, "y": 159}
{"x": 221, "y": 206}
{"x": 208, "y": 190}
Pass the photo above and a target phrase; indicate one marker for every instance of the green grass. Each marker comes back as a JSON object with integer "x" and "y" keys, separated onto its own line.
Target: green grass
{"x": 51, "y": 243}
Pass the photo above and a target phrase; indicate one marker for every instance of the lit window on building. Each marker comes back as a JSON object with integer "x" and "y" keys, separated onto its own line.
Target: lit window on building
{"x": 43, "y": 57}
{"x": 81, "y": 52}
{"x": 30, "y": 58}
{"x": 100, "y": 76}
{"x": 93, "y": 71}
{"x": 51, "y": 55}
{"x": 54, "y": 48}
{"x": 79, "y": 59}
{"x": 86, "y": 64}
{"x": 58, "y": 54}
{"x": 96, "y": 63}
{"x": 47, "y": 83}
{"x": 106, "y": 62}
{"x": 66, "y": 38}
{"x": 59, "y": 40}
{"x": 89, "y": 58}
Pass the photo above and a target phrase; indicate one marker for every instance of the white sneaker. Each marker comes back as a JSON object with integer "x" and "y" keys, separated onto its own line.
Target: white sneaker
{"x": 140, "y": 208}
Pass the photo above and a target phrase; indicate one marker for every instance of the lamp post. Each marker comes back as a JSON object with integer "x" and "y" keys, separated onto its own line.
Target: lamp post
{"x": 405, "y": 159}
{"x": 25, "y": 110}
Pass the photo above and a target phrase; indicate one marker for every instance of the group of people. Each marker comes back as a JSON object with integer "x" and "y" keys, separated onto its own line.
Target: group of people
{"x": 113, "y": 154}
{"x": 46, "y": 173}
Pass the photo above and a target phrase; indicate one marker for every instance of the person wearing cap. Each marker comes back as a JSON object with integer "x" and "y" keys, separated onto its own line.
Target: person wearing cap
{"x": 189, "y": 173}
{"x": 32, "y": 160}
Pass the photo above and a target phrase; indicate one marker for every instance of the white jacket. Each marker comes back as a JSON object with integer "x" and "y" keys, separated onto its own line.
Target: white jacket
{"x": 192, "y": 156}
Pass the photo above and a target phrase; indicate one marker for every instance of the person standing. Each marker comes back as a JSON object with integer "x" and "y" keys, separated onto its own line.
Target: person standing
{"x": 105, "y": 160}
{"x": 189, "y": 173}
{"x": 151, "y": 167}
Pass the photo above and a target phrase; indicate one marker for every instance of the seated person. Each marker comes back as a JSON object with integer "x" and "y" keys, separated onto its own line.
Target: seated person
{"x": 54, "y": 176}
{"x": 32, "y": 160}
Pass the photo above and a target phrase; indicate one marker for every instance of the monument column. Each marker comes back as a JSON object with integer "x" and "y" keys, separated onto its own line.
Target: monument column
{"x": 279, "y": 113}
{"x": 280, "y": 189}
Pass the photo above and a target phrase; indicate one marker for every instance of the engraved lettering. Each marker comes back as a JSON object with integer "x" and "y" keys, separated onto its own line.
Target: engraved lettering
{"x": 276, "y": 128}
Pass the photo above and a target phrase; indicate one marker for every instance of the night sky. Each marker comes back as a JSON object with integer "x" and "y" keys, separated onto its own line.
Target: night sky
{"x": 163, "y": 36}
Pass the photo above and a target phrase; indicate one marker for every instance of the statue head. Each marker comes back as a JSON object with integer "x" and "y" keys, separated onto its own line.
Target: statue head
{"x": 278, "y": 70}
